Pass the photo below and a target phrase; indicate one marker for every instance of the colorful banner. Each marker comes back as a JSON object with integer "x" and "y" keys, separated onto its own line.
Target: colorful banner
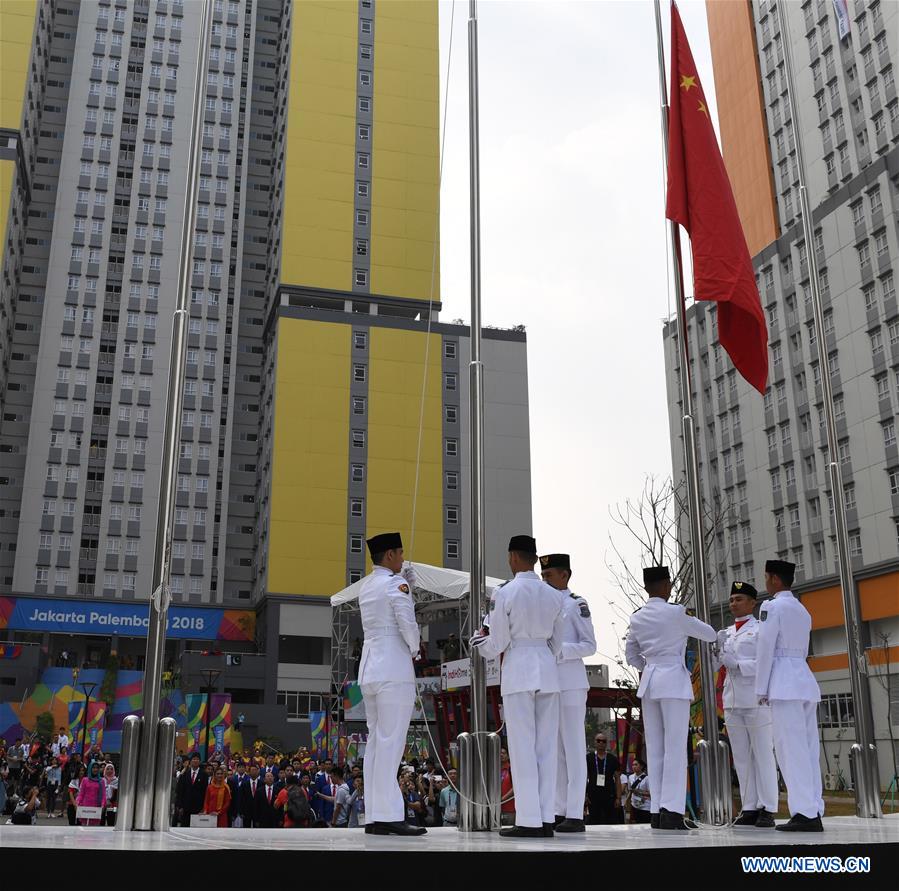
{"x": 10, "y": 651}
{"x": 317, "y": 728}
{"x": 220, "y": 721}
{"x": 96, "y": 719}
{"x": 127, "y": 619}
{"x": 219, "y": 733}
{"x": 634, "y": 743}
{"x": 196, "y": 718}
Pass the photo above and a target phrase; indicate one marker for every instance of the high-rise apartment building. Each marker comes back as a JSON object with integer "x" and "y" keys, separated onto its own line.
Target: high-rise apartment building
{"x": 324, "y": 401}
{"x": 763, "y": 459}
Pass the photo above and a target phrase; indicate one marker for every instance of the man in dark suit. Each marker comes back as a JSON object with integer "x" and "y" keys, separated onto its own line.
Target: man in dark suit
{"x": 266, "y": 815}
{"x": 247, "y": 801}
{"x": 603, "y": 783}
{"x": 190, "y": 792}
{"x": 235, "y": 783}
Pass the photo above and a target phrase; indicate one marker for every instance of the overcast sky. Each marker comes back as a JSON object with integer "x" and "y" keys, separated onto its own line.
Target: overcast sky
{"x": 573, "y": 246}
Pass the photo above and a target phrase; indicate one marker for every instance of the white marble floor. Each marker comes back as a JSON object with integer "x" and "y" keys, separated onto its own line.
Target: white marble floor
{"x": 838, "y": 830}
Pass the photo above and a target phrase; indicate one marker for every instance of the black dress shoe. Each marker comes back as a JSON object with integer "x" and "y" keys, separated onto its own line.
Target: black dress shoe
{"x": 670, "y": 820}
{"x": 398, "y": 828}
{"x": 654, "y": 821}
{"x": 571, "y": 825}
{"x": 369, "y": 828}
{"x": 801, "y": 823}
{"x": 548, "y": 830}
{"x": 747, "y": 818}
{"x": 558, "y": 820}
{"x": 765, "y": 820}
{"x": 523, "y": 832}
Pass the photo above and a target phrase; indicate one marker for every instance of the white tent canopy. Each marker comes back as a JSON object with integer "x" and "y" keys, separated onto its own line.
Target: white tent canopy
{"x": 452, "y": 584}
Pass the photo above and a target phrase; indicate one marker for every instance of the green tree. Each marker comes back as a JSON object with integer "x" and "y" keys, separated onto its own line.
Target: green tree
{"x": 45, "y": 726}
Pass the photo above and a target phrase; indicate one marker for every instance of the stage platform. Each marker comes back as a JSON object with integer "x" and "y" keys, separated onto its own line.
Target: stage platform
{"x": 639, "y": 850}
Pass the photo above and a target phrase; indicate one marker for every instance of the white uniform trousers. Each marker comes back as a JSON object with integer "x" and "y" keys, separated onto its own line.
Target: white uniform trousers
{"x": 532, "y": 727}
{"x": 571, "y": 778}
{"x": 388, "y": 708}
{"x": 798, "y": 751}
{"x": 752, "y": 743}
{"x": 665, "y": 726}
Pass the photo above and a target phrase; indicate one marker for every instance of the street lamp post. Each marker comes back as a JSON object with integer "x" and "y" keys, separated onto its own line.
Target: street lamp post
{"x": 88, "y": 690}
{"x": 211, "y": 676}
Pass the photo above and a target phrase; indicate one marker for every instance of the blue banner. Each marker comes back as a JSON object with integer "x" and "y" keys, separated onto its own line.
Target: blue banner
{"x": 128, "y": 619}
{"x": 219, "y": 731}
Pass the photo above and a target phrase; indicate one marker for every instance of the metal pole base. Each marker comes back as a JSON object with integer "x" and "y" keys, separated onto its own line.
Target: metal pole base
{"x": 714, "y": 785}
{"x": 131, "y": 730}
{"x": 863, "y": 768}
{"x": 480, "y": 782}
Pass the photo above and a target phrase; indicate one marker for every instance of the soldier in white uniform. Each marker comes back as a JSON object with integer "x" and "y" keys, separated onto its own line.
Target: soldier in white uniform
{"x": 656, "y": 644}
{"x": 526, "y": 625}
{"x": 748, "y": 723}
{"x": 387, "y": 679}
{"x": 578, "y": 642}
{"x": 784, "y": 680}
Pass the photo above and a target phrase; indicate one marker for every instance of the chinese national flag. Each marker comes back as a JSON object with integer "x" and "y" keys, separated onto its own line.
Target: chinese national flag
{"x": 701, "y": 200}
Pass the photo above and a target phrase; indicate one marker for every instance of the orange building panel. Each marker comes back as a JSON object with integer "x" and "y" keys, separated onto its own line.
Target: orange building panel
{"x": 741, "y": 116}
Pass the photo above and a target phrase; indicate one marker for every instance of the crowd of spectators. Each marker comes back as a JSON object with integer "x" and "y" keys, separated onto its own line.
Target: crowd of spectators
{"x": 298, "y": 792}
{"x": 39, "y": 777}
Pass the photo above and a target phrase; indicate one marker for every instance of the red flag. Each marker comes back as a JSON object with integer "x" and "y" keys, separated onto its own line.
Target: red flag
{"x": 701, "y": 200}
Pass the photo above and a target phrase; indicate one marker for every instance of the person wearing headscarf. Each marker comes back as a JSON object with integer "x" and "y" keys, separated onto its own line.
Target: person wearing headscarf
{"x": 112, "y": 792}
{"x": 92, "y": 792}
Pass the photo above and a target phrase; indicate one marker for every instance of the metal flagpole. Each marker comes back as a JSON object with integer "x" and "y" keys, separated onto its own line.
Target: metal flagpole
{"x": 714, "y": 778}
{"x": 478, "y": 570}
{"x": 160, "y": 598}
{"x": 863, "y": 752}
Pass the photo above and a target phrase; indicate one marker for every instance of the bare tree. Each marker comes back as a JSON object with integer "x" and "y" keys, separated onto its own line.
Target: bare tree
{"x": 885, "y": 681}
{"x": 655, "y": 525}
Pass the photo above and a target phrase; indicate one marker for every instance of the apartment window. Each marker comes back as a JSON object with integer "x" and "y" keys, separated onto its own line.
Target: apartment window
{"x": 365, "y": 51}
{"x": 876, "y": 342}
{"x": 356, "y": 507}
{"x": 452, "y": 480}
{"x": 864, "y": 253}
{"x": 364, "y": 104}
{"x": 868, "y": 292}
{"x": 362, "y": 190}
{"x": 361, "y": 247}
{"x": 355, "y": 544}
{"x": 357, "y": 473}
{"x": 365, "y": 78}
{"x": 880, "y": 242}
{"x": 364, "y": 132}
{"x": 452, "y": 516}
{"x": 876, "y": 200}
{"x": 358, "y": 439}
{"x": 449, "y": 349}
{"x": 450, "y": 380}
{"x": 360, "y": 339}
{"x": 358, "y": 405}
{"x": 889, "y": 433}
{"x": 452, "y": 550}
{"x": 843, "y": 449}
{"x": 361, "y": 217}
{"x": 882, "y": 385}
{"x": 451, "y": 414}
{"x": 451, "y": 447}
{"x": 359, "y": 374}
{"x": 362, "y": 161}
{"x": 888, "y": 286}
{"x": 894, "y": 481}
{"x": 360, "y": 278}
{"x": 775, "y": 479}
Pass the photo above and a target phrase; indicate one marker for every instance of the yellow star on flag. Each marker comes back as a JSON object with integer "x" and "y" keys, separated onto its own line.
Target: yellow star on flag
{"x": 687, "y": 82}
{"x": 702, "y": 108}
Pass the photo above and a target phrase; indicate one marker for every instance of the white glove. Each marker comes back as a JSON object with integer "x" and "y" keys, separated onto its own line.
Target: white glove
{"x": 722, "y": 638}
{"x": 408, "y": 573}
{"x": 477, "y": 639}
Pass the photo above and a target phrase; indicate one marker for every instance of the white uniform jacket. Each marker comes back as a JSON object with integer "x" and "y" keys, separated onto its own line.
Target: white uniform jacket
{"x": 526, "y": 625}
{"x": 578, "y": 642}
{"x": 391, "y": 635}
{"x": 738, "y": 656}
{"x": 784, "y": 629}
{"x": 656, "y": 644}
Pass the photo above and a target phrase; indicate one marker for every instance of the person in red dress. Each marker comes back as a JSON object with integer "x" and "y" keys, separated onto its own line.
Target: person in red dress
{"x": 218, "y": 798}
